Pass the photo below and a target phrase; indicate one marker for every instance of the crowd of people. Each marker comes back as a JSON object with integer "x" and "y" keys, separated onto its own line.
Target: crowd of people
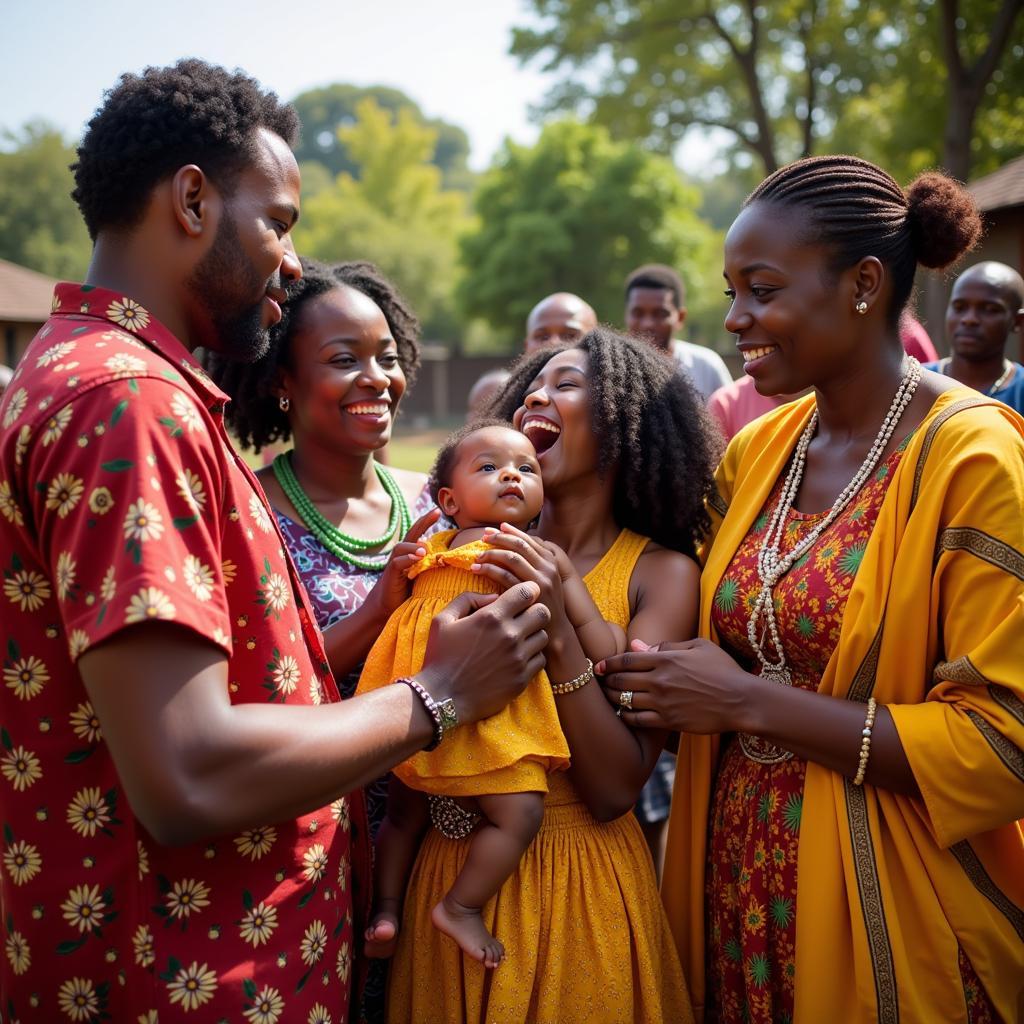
{"x": 801, "y": 651}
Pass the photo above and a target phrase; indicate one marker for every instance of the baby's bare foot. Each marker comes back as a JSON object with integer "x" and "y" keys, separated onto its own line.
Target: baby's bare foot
{"x": 381, "y": 935}
{"x": 466, "y": 926}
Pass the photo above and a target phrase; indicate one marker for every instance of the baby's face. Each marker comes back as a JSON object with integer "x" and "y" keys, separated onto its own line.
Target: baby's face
{"x": 496, "y": 480}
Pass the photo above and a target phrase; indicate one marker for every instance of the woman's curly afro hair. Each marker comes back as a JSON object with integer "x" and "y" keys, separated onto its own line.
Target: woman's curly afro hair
{"x": 652, "y": 429}
{"x": 152, "y": 124}
{"x": 254, "y": 414}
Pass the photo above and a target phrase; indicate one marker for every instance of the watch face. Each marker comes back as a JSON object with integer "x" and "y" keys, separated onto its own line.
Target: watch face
{"x": 449, "y": 717}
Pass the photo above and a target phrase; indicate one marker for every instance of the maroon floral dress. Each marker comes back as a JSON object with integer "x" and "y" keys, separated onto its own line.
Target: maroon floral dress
{"x": 756, "y": 808}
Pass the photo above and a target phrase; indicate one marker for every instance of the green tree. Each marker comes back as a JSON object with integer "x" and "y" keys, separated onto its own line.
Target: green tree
{"x": 953, "y": 99}
{"x": 393, "y": 212}
{"x": 788, "y": 79}
{"x": 40, "y": 226}
{"x": 324, "y": 111}
{"x": 577, "y": 211}
{"x": 774, "y": 76}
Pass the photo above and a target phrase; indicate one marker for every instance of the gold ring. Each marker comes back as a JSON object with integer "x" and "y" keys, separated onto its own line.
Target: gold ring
{"x": 626, "y": 699}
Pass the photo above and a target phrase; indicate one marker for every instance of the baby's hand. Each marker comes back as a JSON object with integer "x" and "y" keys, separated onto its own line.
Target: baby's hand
{"x": 393, "y": 586}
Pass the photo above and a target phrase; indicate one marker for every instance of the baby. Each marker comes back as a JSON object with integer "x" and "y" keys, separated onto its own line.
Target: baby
{"x": 487, "y": 780}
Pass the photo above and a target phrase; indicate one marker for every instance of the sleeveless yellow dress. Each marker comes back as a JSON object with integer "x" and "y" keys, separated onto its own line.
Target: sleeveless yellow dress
{"x": 585, "y": 935}
{"x": 510, "y": 752}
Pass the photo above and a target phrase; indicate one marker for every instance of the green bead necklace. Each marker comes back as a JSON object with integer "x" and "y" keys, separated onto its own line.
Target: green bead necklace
{"x": 340, "y": 544}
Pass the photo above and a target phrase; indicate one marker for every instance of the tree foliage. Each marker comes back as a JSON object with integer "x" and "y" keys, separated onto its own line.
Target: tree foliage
{"x": 576, "y": 212}
{"x": 393, "y": 211}
{"x": 790, "y": 78}
{"x": 908, "y": 118}
{"x": 324, "y": 111}
{"x": 40, "y": 226}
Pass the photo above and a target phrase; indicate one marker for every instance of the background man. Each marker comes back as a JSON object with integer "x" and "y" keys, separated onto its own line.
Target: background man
{"x": 175, "y": 758}
{"x": 559, "y": 319}
{"x": 656, "y": 310}
{"x": 985, "y": 307}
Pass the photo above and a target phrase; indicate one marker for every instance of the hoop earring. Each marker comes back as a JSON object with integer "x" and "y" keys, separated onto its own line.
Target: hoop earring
{"x": 283, "y": 403}
{"x": 861, "y": 307}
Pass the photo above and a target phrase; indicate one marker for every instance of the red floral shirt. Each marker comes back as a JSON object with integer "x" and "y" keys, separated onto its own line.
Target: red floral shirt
{"x": 122, "y": 501}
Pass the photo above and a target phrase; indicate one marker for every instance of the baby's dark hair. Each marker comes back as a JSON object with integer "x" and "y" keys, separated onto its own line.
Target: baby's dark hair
{"x": 254, "y": 414}
{"x": 856, "y": 209}
{"x": 654, "y": 434}
{"x": 151, "y": 124}
{"x": 448, "y": 453}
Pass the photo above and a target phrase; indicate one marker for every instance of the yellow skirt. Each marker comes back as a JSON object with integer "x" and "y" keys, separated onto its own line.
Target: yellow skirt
{"x": 586, "y": 938}
{"x": 510, "y": 752}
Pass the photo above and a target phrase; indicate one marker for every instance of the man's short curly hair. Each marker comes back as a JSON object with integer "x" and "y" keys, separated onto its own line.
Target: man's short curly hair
{"x": 652, "y": 429}
{"x": 254, "y": 414}
{"x": 151, "y": 124}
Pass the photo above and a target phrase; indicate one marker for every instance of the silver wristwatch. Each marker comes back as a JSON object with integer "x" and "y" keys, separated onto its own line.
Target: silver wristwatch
{"x": 449, "y": 716}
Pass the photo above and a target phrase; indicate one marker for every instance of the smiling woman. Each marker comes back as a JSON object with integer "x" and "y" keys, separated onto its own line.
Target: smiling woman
{"x": 626, "y": 456}
{"x": 339, "y": 362}
{"x": 852, "y": 718}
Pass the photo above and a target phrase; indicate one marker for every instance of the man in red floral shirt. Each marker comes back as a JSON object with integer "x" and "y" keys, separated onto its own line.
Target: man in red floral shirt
{"x": 175, "y": 763}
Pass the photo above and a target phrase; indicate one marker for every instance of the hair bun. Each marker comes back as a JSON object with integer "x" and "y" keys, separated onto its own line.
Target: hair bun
{"x": 943, "y": 218}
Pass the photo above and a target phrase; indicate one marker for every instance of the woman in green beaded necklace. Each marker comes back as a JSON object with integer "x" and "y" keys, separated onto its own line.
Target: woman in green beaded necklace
{"x": 339, "y": 363}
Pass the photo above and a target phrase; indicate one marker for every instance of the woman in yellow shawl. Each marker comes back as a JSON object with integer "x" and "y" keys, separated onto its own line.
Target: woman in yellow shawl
{"x": 845, "y": 848}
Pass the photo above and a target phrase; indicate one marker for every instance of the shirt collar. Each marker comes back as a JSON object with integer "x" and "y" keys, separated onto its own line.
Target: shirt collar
{"x": 83, "y": 300}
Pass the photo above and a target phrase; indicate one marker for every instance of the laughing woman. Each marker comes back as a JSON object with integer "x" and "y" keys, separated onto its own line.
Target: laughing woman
{"x": 626, "y": 461}
{"x": 844, "y": 816}
{"x": 339, "y": 363}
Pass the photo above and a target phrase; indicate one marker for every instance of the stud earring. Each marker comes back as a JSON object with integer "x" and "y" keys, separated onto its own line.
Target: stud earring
{"x": 861, "y": 307}
{"x": 283, "y": 403}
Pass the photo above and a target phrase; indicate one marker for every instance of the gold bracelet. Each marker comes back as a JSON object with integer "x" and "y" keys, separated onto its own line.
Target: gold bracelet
{"x": 575, "y": 684}
{"x": 865, "y": 743}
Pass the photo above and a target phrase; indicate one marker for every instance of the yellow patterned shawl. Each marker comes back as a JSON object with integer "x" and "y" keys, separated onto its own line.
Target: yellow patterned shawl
{"x": 888, "y": 886}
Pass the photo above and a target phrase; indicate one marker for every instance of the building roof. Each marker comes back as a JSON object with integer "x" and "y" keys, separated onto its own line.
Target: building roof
{"x": 1001, "y": 188}
{"x": 25, "y": 296}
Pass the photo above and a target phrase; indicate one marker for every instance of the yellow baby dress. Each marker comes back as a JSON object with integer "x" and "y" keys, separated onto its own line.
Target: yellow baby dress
{"x": 510, "y": 752}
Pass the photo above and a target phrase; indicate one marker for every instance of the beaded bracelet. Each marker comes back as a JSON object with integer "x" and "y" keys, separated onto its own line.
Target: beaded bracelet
{"x": 575, "y": 684}
{"x": 865, "y": 743}
{"x": 431, "y": 708}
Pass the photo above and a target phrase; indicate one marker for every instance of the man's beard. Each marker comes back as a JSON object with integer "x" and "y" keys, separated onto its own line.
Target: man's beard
{"x": 219, "y": 280}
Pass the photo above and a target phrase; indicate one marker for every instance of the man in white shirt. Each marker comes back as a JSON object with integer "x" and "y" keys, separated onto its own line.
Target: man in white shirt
{"x": 656, "y": 310}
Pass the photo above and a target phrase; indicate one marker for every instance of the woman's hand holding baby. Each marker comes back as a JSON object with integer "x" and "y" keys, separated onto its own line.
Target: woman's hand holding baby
{"x": 516, "y": 557}
{"x": 393, "y": 586}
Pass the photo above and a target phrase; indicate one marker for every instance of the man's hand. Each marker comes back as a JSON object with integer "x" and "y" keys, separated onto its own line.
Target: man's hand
{"x": 483, "y": 650}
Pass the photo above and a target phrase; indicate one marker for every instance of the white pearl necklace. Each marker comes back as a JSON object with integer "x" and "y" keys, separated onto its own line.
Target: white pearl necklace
{"x": 772, "y": 565}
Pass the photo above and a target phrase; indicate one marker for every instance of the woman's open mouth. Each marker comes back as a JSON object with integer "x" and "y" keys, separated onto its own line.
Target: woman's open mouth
{"x": 543, "y": 433}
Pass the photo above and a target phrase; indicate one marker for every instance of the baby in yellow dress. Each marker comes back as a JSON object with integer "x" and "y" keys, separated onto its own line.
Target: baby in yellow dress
{"x": 488, "y": 779}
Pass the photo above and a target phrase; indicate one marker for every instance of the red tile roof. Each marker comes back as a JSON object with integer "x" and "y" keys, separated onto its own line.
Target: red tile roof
{"x": 25, "y": 295}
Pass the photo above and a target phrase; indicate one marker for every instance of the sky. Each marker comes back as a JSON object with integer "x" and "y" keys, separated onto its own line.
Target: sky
{"x": 451, "y": 56}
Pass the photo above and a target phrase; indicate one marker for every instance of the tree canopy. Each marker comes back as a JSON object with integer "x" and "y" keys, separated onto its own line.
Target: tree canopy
{"x": 782, "y": 79}
{"x": 323, "y": 111}
{"x": 577, "y": 212}
{"x": 40, "y": 226}
{"x": 393, "y": 211}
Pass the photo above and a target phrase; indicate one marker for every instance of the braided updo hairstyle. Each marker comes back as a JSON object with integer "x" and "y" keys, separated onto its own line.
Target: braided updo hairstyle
{"x": 652, "y": 428}
{"x": 856, "y": 209}
{"x": 253, "y": 413}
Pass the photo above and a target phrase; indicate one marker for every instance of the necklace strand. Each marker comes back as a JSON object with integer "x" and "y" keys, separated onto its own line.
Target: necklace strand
{"x": 772, "y": 565}
{"x": 997, "y": 385}
{"x": 340, "y": 544}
